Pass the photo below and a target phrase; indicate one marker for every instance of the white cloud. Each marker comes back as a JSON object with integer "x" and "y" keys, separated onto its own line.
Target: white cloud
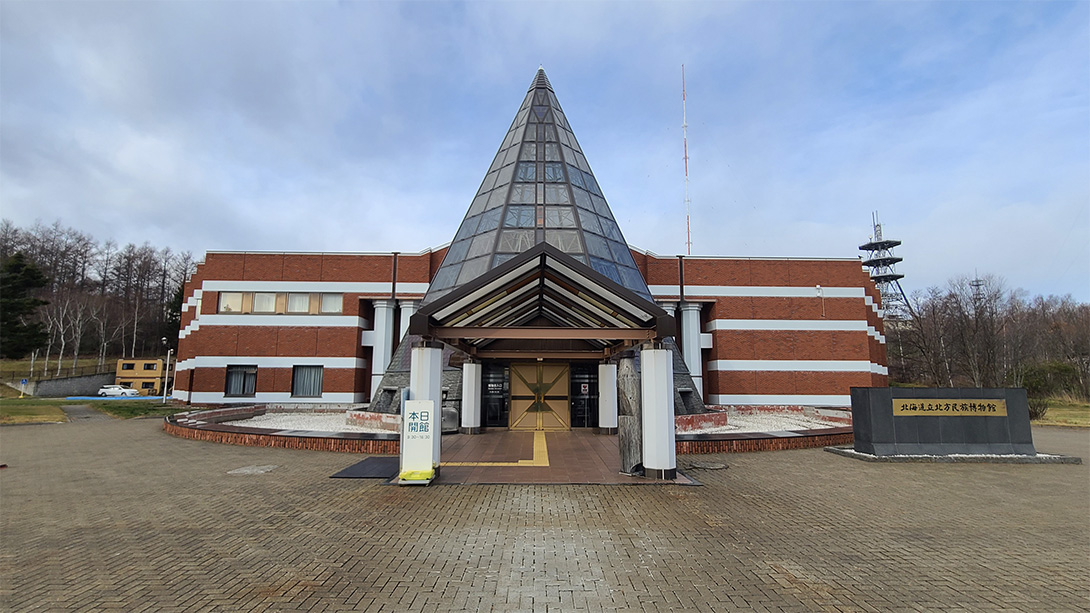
{"x": 368, "y": 126}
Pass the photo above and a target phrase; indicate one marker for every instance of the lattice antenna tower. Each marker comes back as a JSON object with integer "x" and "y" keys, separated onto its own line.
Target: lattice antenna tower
{"x": 881, "y": 261}
{"x": 685, "y": 145}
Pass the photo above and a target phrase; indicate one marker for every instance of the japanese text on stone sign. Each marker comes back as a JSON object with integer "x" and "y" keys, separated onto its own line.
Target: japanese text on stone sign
{"x": 989, "y": 407}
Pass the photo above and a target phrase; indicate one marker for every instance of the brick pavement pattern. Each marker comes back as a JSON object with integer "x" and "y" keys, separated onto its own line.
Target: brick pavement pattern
{"x": 118, "y": 515}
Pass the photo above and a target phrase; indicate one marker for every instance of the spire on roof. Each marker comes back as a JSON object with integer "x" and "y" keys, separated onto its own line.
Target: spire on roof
{"x": 538, "y": 189}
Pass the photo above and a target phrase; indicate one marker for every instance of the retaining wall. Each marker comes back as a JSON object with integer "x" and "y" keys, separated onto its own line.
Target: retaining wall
{"x": 85, "y": 385}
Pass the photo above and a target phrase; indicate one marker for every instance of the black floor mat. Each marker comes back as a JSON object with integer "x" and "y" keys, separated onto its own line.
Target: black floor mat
{"x": 371, "y": 468}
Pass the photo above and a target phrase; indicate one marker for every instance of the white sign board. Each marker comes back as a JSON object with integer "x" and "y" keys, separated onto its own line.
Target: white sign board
{"x": 419, "y": 427}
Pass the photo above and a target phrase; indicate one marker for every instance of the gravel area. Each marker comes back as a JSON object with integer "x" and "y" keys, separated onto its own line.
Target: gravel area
{"x": 769, "y": 423}
{"x": 335, "y": 422}
{"x": 317, "y": 422}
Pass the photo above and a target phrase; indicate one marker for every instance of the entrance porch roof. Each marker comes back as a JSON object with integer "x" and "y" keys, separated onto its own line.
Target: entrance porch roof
{"x": 542, "y": 302}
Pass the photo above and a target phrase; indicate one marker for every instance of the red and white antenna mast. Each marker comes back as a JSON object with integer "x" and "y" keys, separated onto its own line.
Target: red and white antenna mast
{"x": 685, "y": 143}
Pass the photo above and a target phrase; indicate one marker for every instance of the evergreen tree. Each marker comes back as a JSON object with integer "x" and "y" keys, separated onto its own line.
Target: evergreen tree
{"x": 18, "y": 334}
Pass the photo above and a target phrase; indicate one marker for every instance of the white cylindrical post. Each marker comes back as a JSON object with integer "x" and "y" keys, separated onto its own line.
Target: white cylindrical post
{"x": 657, "y": 395}
{"x": 690, "y": 343}
{"x": 425, "y": 380}
{"x": 408, "y": 307}
{"x": 607, "y": 399}
{"x": 471, "y": 398}
{"x": 166, "y": 374}
{"x": 384, "y": 342}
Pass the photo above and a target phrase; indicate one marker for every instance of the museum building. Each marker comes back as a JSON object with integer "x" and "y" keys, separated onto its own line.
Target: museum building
{"x": 534, "y": 301}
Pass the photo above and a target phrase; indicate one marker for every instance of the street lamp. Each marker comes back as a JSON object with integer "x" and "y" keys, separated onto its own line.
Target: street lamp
{"x": 166, "y": 371}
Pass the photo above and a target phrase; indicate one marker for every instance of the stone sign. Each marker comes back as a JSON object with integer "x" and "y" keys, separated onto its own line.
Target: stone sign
{"x": 912, "y": 421}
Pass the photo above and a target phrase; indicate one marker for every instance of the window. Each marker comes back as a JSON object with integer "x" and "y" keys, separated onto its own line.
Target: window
{"x": 482, "y": 244}
{"x": 526, "y": 172}
{"x": 523, "y": 194}
{"x": 151, "y": 366}
{"x": 147, "y": 385}
{"x": 554, "y": 172}
{"x": 264, "y": 302}
{"x": 128, "y": 366}
{"x": 559, "y": 217}
{"x": 515, "y": 241}
{"x": 298, "y": 303}
{"x": 331, "y": 303}
{"x": 240, "y": 381}
{"x": 306, "y": 381}
{"x": 230, "y": 302}
{"x": 556, "y": 194}
{"x": 564, "y": 240}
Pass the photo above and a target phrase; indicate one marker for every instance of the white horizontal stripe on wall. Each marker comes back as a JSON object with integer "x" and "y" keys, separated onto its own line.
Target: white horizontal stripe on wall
{"x": 302, "y": 319}
{"x": 267, "y": 397}
{"x": 191, "y": 328}
{"x": 806, "y": 325}
{"x": 810, "y": 400}
{"x": 797, "y": 366}
{"x": 192, "y": 300}
{"x": 220, "y": 361}
{"x": 754, "y": 291}
{"x": 352, "y": 287}
{"x": 874, "y": 306}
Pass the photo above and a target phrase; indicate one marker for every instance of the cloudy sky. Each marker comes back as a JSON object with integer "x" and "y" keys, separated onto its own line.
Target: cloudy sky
{"x": 367, "y": 126}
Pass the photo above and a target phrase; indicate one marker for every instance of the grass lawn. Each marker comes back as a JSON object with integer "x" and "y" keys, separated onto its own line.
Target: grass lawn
{"x": 30, "y": 411}
{"x": 1066, "y": 412}
{"x": 126, "y": 409}
{"x": 15, "y": 410}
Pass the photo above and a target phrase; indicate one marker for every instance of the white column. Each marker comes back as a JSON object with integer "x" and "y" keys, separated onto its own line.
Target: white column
{"x": 384, "y": 342}
{"x": 408, "y": 307}
{"x": 425, "y": 381}
{"x": 607, "y": 399}
{"x": 690, "y": 343}
{"x": 471, "y": 398}
{"x": 657, "y": 395}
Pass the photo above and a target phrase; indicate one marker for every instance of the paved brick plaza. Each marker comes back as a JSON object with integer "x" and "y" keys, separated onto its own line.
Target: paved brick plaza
{"x": 117, "y": 515}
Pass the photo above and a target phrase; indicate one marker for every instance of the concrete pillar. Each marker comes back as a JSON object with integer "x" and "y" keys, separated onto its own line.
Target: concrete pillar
{"x": 607, "y": 399}
{"x": 690, "y": 343}
{"x": 471, "y": 398}
{"x": 657, "y": 394}
{"x": 425, "y": 380}
{"x": 408, "y": 307}
{"x": 384, "y": 342}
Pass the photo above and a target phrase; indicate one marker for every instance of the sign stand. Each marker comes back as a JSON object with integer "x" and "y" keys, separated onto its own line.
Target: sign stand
{"x": 419, "y": 427}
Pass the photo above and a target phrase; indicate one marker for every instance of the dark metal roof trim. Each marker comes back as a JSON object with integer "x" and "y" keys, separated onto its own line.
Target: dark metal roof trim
{"x": 607, "y": 293}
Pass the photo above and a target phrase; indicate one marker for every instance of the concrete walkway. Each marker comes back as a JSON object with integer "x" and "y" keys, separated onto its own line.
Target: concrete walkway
{"x": 117, "y": 515}
{"x": 508, "y": 457}
{"x": 81, "y": 412}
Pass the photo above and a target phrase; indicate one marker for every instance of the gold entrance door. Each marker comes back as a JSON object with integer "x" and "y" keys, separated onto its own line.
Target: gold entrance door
{"x": 539, "y": 397}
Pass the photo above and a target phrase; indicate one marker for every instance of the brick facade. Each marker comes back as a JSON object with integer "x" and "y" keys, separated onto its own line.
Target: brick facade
{"x": 772, "y": 331}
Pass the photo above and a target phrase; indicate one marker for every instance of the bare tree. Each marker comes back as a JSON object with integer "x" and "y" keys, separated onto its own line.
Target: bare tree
{"x": 78, "y": 318}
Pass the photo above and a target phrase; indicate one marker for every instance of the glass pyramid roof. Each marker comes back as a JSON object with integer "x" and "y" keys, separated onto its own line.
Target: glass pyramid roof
{"x": 539, "y": 189}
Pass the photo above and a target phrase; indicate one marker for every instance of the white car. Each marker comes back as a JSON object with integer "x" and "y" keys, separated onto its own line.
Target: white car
{"x": 117, "y": 390}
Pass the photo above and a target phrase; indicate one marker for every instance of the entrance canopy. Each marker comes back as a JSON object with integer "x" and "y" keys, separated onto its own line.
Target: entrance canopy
{"x": 542, "y": 303}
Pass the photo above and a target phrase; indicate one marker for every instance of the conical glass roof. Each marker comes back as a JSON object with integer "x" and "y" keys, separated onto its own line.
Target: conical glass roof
{"x": 539, "y": 189}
